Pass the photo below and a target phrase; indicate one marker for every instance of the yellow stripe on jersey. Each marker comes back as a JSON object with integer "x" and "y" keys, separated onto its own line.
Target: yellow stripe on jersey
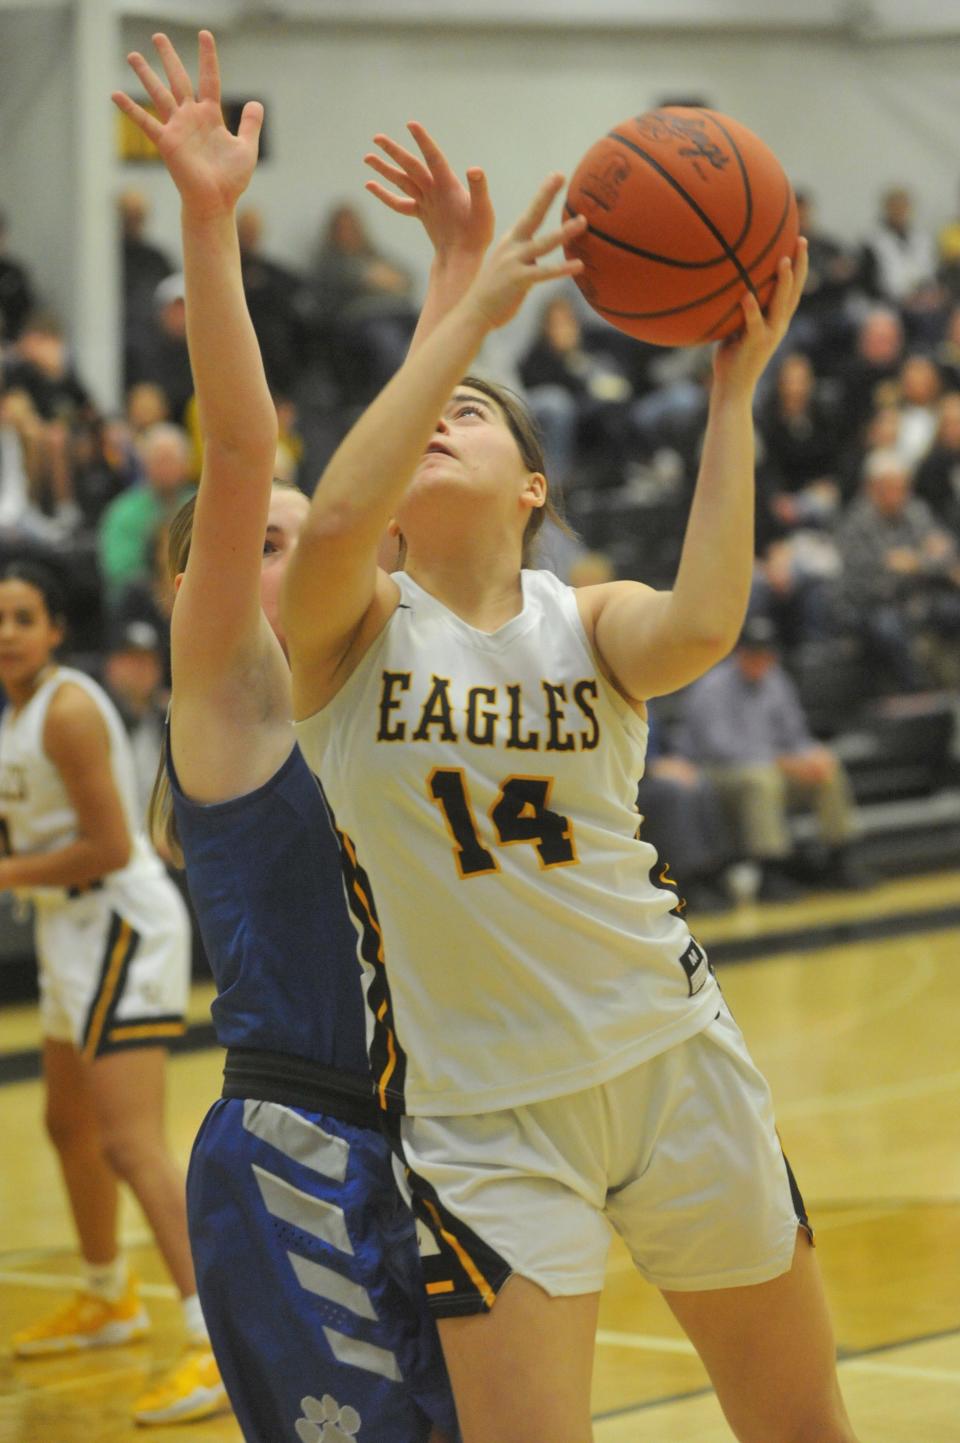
{"x": 446, "y": 1286}
{"x": 114, "y": 971}
{"x": 390, "y": 1068}
{"x": 364, "y": 899}
{"x": 469, "y": 1266}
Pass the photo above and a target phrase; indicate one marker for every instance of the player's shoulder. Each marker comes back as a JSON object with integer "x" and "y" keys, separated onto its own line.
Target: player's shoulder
{"x": 75, "y": 714}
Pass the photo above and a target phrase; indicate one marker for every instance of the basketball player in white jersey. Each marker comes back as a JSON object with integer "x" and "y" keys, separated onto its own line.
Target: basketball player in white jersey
{"x": 113, "y": 949}
{"x": 549, "y": 1042}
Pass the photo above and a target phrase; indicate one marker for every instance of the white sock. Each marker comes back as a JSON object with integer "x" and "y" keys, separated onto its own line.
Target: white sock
{"x": 108, "y": 1281}
{"x": 193, "y": 1319}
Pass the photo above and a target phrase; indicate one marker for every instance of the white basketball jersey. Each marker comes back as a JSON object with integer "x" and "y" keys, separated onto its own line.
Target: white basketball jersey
{"x": 484, "y": 789}
{"x": 34, "y": 805}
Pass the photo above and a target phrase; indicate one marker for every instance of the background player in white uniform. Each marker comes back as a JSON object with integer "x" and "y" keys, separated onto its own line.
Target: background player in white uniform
{"x": 113, "y": 948}
{"x": 469, "y": 707}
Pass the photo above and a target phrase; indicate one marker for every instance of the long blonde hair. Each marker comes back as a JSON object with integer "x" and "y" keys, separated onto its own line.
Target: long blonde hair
{"x": 161, "y": 819}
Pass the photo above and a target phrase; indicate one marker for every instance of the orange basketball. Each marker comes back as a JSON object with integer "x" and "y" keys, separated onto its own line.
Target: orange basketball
{"x": 687, "y": 210}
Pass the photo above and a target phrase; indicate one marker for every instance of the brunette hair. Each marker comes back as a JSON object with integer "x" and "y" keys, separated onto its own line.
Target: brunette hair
{"x": 43, "y": 579}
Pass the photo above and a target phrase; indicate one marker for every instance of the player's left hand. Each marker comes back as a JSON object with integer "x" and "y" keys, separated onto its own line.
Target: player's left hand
{"x": 456, "y": 217}
{"x": 740, "y": 360}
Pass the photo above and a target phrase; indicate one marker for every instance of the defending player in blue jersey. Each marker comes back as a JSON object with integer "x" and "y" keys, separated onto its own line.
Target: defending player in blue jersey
{"x": 306, "y": 1258}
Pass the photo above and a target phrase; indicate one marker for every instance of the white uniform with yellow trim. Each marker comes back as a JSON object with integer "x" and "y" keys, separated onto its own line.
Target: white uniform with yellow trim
{"x": 537, "y": 1010}
{"x": 487, "y": 785}
{"x": 114, "y": 958}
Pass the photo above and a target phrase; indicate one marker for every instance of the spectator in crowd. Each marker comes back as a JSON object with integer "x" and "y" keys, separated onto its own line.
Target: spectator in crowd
{"x": 948, "y": 256}
{"x": 799, "y": 434}
{"x": 937, "y": 478}
{"x": 363, "y": 298}
{"x": 793, "y": 587}
{"x": 899, "y": 263}
{"x": 821, "y": 323}
{"x": 23, "y": 461}
{"x": 143, "y": 265}
{"x": 579, "y": 398}
{"x": 743, "y": 723}
{"x": 900, "y": 577}
{"x": 147, "y": 600}
{"x": 682, "y": 816}
{"x": 103, "y": 464}
{"x": 133, "y": 677}
{"x": 40, "y": 364}
{"x": 158, "y": 352}
{"x": 16, "y": 290}
{"x": 276, "y": 302}
{"x": 920, "y": 386}
{"x": 947, "y": 351}
{"x": 128, "y": 525}
{"x": 867, "y": 379}
{"x": 147, "y": 404}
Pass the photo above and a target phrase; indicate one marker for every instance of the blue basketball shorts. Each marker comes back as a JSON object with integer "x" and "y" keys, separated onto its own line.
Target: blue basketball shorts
{"x": 310, "y": 1279}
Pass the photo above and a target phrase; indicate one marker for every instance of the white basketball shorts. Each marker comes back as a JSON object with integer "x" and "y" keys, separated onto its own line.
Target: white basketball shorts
{"x": 114, "y": 966}
{"x": 680, "y": 1156}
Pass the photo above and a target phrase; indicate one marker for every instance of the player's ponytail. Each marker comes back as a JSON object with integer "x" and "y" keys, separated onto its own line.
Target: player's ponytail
{"x": 161, "y": 820}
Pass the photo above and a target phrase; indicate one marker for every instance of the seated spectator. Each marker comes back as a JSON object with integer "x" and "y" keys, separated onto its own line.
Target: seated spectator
{"x": 682, "y": 816}
{"x": 143, "y": 266}
{"x": 820, "y": 325}
{"x": 23, "y": 462}
{"x": 104, "y": 464}
{"x": 868, "y": 378}
{"x": 794, "y": 582}
{"x": 363, "y": 298}
{"x": 133, "y": 676}
{"x": 744, "y": 725}
{"x": 148, "y": 600}
{"x": 129, "y": 523}
{"x": 40, "y": 364}
{"x": 900, "y": 578}
{"x": 276, "y": 301}
{"x": 147, "y": 405}
{"x": 578, "y": 397}
{"x": 899, "y": 265}
{"x": 799, "y": 435}
{"x": 948, "y": 256}
{"x": 16, "y": 290}
{"x": 947, "y": 351}
{"x": 920, "y": 386}
{"x": 937, "y": 478}
{"x": 158, "y": 351}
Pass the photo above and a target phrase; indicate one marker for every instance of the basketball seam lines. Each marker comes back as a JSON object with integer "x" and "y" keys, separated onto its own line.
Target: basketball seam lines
{"x": 684, "y": 195}
{"x": 711, "y": 295}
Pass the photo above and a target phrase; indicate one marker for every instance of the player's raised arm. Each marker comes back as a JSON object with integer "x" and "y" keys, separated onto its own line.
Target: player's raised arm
{"x": 656, "y": 642}
{"x": 457, "y": 218}
{"x": 218, "y": 611}
{"x": 332, "y": 580}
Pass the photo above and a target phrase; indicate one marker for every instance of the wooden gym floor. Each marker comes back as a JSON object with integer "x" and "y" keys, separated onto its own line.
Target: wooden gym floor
{"x": 851, "y": 1006}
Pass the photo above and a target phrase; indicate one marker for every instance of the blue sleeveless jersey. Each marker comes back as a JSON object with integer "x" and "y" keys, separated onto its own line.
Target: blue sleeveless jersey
{"x": 265, "y": 878}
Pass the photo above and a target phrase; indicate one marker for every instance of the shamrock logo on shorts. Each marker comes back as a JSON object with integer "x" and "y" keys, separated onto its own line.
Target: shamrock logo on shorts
{"x": 324, "y": 1421}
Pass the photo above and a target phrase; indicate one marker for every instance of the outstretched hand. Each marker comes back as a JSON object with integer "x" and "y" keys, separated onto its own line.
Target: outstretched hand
{"x": 210, "y": 167}
{"x": 511, "y": 269}
{"x": 456, "y": 217}
{"x": 742, "y": 358}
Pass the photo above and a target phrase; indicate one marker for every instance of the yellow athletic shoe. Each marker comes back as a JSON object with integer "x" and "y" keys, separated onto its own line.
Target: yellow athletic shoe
{"x": 192, "y": 1389}
{"x": 86, "y": 1322}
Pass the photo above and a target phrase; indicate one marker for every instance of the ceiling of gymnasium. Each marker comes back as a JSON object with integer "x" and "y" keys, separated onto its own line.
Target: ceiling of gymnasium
{"x": 858, "y": 19}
